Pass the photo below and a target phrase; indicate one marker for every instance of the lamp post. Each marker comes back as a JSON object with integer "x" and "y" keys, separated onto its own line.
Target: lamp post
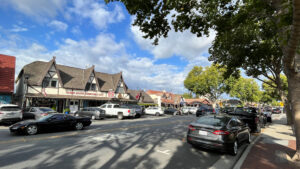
{"x": 26, "y": 77}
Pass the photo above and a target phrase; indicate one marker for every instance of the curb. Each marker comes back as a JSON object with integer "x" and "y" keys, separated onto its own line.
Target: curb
{"x": 245, "y": 154}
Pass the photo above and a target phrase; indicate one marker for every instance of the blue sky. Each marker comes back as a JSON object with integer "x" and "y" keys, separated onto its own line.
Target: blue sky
{"x": 82, "y": 33}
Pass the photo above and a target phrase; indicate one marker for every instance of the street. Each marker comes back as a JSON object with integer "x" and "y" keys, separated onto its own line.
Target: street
{"x": 150, "y": 142}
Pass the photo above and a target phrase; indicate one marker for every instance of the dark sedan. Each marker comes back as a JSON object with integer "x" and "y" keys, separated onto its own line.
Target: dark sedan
{"x": 52, "y": 122}
{"x": 172, "y": 111}
{"x": 221, "y": 132}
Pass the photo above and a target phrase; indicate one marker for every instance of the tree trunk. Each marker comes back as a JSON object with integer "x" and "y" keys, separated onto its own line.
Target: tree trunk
{"x": 294, "y": 86}
{"x": 288, "y": 109}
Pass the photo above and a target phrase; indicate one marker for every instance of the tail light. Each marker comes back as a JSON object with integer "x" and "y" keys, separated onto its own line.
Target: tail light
{"x": 214, "y": 110}
{"x": 221, "y": 132}
{"x": 192, "y": 128}
{"x": 1, "y": 113}
{"x": 256, "y": 120}
{"x": 44, "y": 114}
{"x": 128, "y": 111}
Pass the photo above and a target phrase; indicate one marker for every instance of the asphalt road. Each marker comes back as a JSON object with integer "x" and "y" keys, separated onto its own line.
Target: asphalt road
{"x": 146, "y": 143}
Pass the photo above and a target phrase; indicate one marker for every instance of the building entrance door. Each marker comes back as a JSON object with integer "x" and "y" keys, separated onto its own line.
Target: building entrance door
{"x": 73, "y": 106}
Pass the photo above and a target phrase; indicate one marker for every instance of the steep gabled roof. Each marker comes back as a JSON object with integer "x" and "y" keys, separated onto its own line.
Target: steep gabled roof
{"x": 70, "y": 77}
{"x": 144, "y": 95}
{"x": 108, "y": 81}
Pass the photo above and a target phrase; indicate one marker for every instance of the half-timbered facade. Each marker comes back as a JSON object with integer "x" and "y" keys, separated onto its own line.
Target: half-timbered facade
{"x": 53, "y": 85}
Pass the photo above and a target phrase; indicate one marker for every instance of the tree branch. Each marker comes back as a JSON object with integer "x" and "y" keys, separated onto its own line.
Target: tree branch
{"x": 270, "y": 84}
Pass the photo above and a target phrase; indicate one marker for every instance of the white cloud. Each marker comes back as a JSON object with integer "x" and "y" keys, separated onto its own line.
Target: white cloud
{"x": 184, "y": 44}
{"x": 108, "y": 56}
{"x": 17, "y": 28}
{"x": 58, "y": 25}
{"x": 38, "y": 9}
{"x": 98, "y": 13}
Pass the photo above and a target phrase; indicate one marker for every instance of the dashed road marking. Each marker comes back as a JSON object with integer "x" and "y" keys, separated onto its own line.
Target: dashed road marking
{"x": 164, "y": 152}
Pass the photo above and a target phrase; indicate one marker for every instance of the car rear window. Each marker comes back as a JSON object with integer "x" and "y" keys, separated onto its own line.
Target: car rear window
{"x": 213, "y": 120}
{"x": 10, "y": 108}
{"x": 46, "y": 109}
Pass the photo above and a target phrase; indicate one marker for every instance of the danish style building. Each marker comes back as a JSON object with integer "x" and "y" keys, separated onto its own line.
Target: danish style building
{"x": 52, "y": 85}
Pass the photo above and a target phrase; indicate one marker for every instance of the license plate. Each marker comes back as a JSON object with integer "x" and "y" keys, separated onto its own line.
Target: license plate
{"x": 204, "y": 133}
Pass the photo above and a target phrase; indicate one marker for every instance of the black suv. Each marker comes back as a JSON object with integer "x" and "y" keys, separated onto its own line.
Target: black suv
{"x": 205, "y": 109}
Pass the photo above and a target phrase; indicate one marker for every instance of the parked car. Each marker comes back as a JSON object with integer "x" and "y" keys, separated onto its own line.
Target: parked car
{"x": 276, "y": 111}
{"x": 221, "y": 132}
{"x": 172, "y": 111}
{"x": 94, "y": 113}
{"x": 204, "y": 110}
{"x": 36, "y": 112}
{"x": 138, "y": 109}
{"x": 51, "y": 122}
{"x": 251, "y": 117}
{"x": 157, "y": 111}
{"x": 10, "y": 113}
{"x": 268, "y": 115}
{"x": 189, "y": 110}
{"x": 227, "y": 109}
{"x": 113, "y": 109}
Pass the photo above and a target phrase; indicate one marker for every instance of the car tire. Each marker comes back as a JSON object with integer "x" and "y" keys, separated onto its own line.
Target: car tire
{"x": 156, "y": 114}
{"x": 234, "y": 148}
{"x": 32, "y": 130}
{"x": 78, "y": 126}
{"x": 120, "y": 116}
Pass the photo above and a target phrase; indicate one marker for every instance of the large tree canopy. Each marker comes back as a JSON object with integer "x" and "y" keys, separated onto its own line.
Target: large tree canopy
{"x": 208, "y": 81}
{"x": 157, "y": 17}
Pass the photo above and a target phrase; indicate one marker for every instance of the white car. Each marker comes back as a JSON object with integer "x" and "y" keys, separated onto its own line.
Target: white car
{"x": 112, "y": 109}
{"x": 157, "y": 111}
{"x": 10, "y": 113}
{"x": 191, "y": 110}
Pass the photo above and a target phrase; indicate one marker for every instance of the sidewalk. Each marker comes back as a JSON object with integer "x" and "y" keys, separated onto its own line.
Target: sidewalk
{"x": 274, "y": 148}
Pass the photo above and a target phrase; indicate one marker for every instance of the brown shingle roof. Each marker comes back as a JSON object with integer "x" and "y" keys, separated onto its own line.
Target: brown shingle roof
{"x": 74, "y": 78}
{"x": 145, "y": 97}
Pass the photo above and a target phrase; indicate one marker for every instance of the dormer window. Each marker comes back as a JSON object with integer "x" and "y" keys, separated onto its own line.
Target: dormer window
{"x": 120, "y": 88}
{"x": 48, "y": 82}
{"x": 91, "y": 85}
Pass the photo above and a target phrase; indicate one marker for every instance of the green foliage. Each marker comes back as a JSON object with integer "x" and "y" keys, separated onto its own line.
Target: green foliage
{"x": 187, "y": 95}
{"x": 208, "y": 80}
{"x": 67, "y": 110}
{"x": 53, "y": 107}
{"x": 247, "y": 90}
{"x": 270, "y": 93}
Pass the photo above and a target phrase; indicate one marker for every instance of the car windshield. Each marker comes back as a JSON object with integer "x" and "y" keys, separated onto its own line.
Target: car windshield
{"x": 45, "y": 118}
{"x": 46, "y": 109}
{"x": 213, "y": 120}
{"x": 10, "y": 108}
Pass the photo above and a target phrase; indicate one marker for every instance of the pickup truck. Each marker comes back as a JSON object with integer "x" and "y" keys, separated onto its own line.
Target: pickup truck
{"x": 112, "y": 109}
{"x": 251, "y": 117}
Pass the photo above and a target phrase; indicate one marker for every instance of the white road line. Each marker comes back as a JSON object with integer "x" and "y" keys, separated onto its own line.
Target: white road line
{"x": 164, "y": 152}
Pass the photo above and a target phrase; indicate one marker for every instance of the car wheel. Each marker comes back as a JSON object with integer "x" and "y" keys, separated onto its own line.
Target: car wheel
{"x": 31, "y": 129}
{"x": 93, "y": 117}
{"x": 120, "y": 116}
{"x": 249, "y": 138}
{"x": 156, "y": 114}
{"x": 234, "y": 148}
{"x": 78, "y": 126}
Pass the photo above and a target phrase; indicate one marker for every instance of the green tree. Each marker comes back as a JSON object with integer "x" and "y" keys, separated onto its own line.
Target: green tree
{"x": 272, "y": 93}
{"x": 187, "y": 95}
{"x": 246, "y": 89}
{"x": 208, "y": 81}
{"x": 157, "y": 17}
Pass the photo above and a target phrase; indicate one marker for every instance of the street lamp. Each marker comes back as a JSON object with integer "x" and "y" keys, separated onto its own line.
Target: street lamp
{"x": 26, "y": 77}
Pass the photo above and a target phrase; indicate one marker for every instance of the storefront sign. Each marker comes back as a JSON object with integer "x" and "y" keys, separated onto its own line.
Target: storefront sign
{"x": 80, "y": 93}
